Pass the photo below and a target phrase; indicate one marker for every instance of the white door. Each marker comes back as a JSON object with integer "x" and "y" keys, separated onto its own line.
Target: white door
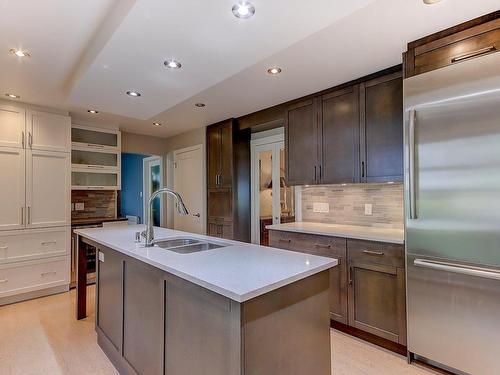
{"x": 190, "y": 184}
{"x": 12, "y": 126}
{"x": 48, "y": 188}
{"x": 48, "y": 131}
{"x": 12, "y": 188}
{"x": 152, "y": 181}
{"x": 272, "y": 201}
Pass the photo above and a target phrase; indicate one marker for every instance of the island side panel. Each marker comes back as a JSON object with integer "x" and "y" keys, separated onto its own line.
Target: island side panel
{"x": 202, "y": 331}
{"x": 287, "y": 331}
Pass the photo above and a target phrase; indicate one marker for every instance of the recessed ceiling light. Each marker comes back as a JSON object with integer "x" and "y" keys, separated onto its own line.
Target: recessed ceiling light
{"x": 200, "y": 105}
{"x": 133, "y": 93}
{"x": 12, "y": 96}
{"x": 274, "y": 70}
{"x": 93, "y": 111}
{"x": 156, "y": 124}
{"x": 430, "y": 2}
{"x": 172, "y": 64}
{"x": 243, "y": 9}
{"x": 19, "y": 53}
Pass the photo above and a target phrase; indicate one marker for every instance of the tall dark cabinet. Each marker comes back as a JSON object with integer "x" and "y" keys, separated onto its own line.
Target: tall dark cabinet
{"x": 228, "y": 179}
{"x": 352, "y": 133}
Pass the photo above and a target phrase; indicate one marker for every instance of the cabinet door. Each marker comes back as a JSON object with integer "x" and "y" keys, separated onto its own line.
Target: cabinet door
{"x": 143, "y": 341}
{"x": 12, "y": 182}
{"x": 338, "y": 292}
{"x": 12, "y": 126}
{"x": 301, "y": 143}
{"x": 109, "y": 296}
{"x": 340, "y": 137}
{"x": 214, "y": 156}
{"x": 48, "y": 131}
{"x": 382, "y": 129}
{"x": 47, "y": 188}
{"x": 214, "y": 229}
{"x": 226, "y": 170}
{"x": 377, "y": 300}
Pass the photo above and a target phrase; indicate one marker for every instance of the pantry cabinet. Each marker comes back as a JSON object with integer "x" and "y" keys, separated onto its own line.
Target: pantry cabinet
{"x": 48, "y": 131}
{"x": 12, "y": 126}
{"x": 12, "y": 180}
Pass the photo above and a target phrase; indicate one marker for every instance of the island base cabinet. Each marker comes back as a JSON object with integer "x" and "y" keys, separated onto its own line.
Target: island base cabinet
{"x": 152, "y": 322}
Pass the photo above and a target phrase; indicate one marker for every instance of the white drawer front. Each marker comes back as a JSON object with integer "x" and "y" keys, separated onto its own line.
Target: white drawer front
{"x": 24, "y": 245}
{"x": 35, "y": 275}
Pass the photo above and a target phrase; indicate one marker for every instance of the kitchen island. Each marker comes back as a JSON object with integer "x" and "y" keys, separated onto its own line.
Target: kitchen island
{"x": 209, "y": 306}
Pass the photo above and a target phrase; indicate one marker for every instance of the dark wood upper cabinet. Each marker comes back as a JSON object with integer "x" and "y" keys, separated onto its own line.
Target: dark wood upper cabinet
{"x": 381, "y": 104}
{"x": 475, "y": 38}
{"x": 220, "y": 151}
{"x": 301, "y": 142}
{"x": 339, "y": 120}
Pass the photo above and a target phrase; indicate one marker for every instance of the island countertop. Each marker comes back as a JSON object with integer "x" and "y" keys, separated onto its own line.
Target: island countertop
{"x": 239, "y": 271}
{"x": 359, "y": 232}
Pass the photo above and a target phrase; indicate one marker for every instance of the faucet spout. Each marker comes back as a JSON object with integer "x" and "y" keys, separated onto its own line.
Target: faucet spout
{"x": 181, "y": 209}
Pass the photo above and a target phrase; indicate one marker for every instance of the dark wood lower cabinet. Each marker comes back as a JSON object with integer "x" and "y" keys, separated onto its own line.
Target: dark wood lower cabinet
{"x": 367, "y": 288}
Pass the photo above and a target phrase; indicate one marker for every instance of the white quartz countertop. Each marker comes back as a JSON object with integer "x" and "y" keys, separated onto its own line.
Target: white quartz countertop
{"x": 348, "y": 231}
{"x": 239, "y": 271}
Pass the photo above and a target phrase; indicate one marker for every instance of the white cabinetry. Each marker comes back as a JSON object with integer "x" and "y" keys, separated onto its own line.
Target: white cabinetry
{"x": 35, "y": 200}
{"x": 95, "y": 158}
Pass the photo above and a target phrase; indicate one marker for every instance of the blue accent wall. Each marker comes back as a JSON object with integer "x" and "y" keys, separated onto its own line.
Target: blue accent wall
{"x": 132, "y": 179}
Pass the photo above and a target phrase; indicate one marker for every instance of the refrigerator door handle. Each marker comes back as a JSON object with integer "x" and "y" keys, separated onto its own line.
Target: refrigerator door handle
{"x": 411, "y": 164}
{"x": 486, "y": 273}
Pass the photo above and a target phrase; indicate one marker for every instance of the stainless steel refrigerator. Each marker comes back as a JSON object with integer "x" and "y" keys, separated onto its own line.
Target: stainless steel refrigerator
{"x": 452, "y": 210}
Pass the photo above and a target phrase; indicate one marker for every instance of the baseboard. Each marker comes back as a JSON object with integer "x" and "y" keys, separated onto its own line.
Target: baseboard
{"x": 371, "y": 338}
{"x": 34, "y": 294}
{"x": 114, "y": 356}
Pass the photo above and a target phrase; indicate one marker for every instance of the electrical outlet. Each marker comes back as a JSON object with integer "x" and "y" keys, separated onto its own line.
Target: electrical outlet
{"x": 79, "y": 206}
{"x": 368, "y": 209}
{"x": 321, "y": 207}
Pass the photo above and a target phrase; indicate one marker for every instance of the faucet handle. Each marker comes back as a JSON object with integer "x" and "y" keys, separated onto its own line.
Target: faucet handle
{"x": 138, "y": 237}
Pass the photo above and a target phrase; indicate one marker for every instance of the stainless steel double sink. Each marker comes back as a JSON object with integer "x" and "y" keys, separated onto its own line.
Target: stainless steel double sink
{"x": 186, "y": 245}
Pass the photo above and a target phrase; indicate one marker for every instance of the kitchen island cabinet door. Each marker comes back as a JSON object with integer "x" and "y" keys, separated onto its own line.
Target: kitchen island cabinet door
{"x": 301, "y": 143}
{"x": 377, "y": 300}
{"x": 143, "y": 293}
{"x": 109, "y": 296}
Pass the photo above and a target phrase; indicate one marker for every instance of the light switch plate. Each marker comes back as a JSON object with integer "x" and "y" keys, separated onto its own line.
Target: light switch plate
{"x": 79, "y": 206}
{"x": 368, "y": 209}
{"x": 321, "y": 207}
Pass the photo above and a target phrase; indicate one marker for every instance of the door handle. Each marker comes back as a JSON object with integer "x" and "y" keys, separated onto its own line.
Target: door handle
{"x": 323, "y": 246}
{"x": 315, "y": 173}
{"x": 320, "y": 173}
{"x": 371, "y": 252}
{"x": 472, "y": 54}
{"x": 22, "y": 138}
{"x": 350, "y": 275}
{"x": 22, "y": 215}
{"x": 285, "y": 240}
{"x": 30, "y": 139}
{"x": 363, "y": 169}
{"x": 29, "y": 215}
{"x": 411, "y": 164}
{"x": 485, "y": 273}
{"x": 197, "y": 215}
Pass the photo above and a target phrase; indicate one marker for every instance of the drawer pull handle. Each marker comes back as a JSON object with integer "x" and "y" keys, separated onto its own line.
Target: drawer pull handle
{"x": 3, "y": 281}
{"x": 4, "y": 247}
{"x": 95, "y": 166}
{"x": 469, "y": 55}
{"x": 285, "y": 240}
{"x": 323, "y": 246}
{"x": 376, "y": 253}
{"x": 48, "y": 273}
{"x": 48, "y": 243}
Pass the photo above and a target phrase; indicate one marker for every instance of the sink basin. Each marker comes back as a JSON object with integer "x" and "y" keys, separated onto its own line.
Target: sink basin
{"x": 187, "y": 245}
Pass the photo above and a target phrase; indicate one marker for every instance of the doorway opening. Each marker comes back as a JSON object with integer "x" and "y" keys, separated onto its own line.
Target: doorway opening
{"x": 152, "y": 181}
{"x": 273, "y": 202}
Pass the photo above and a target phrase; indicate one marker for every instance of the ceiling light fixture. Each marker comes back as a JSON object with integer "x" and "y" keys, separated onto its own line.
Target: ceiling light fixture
{"x": 12, "y": 96}
{"x": 93, "y": 111}
{"x": 430, "y": 2}
{"x": 156, "y": 124}
{"x": 274, "y": 70}
{"x": 200, "y": 105}
{"x": 19, "y": 53}
{"x": 133, "y": 93}
{"x": 243, "y": 9}
{"x": 172, "y": 64}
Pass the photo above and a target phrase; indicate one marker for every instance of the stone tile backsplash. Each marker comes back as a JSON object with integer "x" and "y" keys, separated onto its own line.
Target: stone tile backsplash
{"x": 347, "y": 204}
{"x": 98, "y": 204}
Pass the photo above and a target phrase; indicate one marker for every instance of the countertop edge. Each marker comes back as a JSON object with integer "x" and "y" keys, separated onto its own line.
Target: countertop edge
{"x": 240, "y": 298}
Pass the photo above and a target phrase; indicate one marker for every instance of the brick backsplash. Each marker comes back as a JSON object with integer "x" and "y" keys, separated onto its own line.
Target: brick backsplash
{"x": 347, "y": 204}
{"x": 98, "y": 204}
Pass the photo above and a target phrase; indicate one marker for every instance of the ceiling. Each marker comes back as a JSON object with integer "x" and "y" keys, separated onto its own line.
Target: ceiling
{"x": 86, "y": 55}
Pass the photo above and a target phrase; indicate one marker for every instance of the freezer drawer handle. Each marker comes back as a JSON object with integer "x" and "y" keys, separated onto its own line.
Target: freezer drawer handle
{"x": 456, "y": 268}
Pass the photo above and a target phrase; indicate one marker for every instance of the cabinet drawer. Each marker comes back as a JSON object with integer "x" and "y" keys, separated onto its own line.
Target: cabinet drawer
{"x": 25, "y": 277}
{"x": 371, "y": 252}
{"x": 326, "y": 246}
{"x": 25, "y": 245}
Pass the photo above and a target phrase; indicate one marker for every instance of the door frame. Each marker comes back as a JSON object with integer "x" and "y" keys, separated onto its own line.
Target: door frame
{"x": 272, "y": 140}
{"x": 199, "y": 147}
{"x": 146, "y": 165}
